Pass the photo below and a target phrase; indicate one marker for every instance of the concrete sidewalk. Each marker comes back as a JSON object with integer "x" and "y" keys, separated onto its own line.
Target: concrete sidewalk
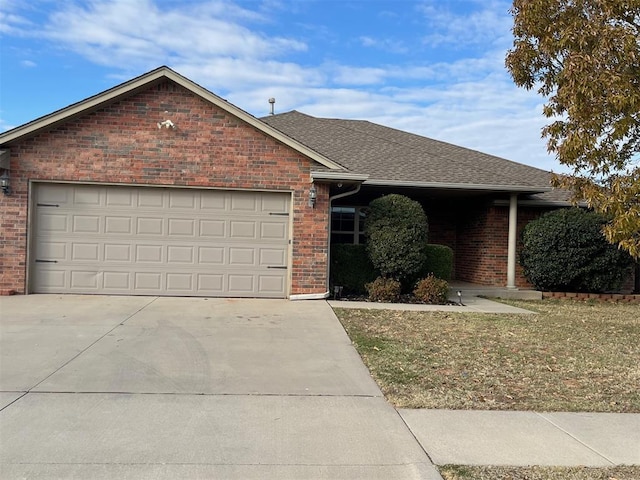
{"x": 470, "y": 304}
{"x": 466, "y": 437}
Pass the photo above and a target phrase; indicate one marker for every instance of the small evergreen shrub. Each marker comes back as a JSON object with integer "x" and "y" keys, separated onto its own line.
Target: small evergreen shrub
{"x": 351, "y": 268}
{"x": 565, "y": 250}
{"x": 384, "y": 289}
{"x": 432, "y": 290}
{"x": 439, "y": 261}
{"x": 396, "y": 229}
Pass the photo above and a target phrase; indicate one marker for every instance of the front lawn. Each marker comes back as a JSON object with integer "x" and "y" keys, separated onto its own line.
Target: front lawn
{"x": 571, "y": 356}
{"x": 450, "y": 472}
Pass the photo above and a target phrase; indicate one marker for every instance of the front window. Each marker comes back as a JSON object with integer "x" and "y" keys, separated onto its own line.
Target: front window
{"x": 347, "y": 224}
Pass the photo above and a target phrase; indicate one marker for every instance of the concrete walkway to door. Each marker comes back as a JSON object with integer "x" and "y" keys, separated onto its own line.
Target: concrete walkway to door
{"x": 146, "y": 387}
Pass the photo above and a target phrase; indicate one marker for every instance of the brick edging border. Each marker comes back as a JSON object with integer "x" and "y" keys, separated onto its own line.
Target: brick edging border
{"x": 601, "y": 297}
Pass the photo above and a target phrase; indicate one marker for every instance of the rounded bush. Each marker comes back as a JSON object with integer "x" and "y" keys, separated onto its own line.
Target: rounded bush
{"x": 432, "y": 290}
{"x": 565, "y": 250}
{"x": 396, "y": 229}
{"x": 384, "y": 289}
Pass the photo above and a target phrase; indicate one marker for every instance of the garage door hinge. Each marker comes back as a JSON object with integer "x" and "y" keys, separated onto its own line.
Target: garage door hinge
{"x": 283, "y": 267}
{"x": 47, "y": 205}
{"x": 284, "y": 214}
{"x": 46, "y": 261}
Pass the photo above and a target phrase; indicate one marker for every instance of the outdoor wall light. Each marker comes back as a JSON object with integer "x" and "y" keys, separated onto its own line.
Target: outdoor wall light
{"x": 166, "y": 124}
{"x": 5, "y": 182}
{"x": 312, "y": 196}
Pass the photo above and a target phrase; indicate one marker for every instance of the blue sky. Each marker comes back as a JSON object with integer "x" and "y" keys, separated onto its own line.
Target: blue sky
{"x": 432, "y": 67}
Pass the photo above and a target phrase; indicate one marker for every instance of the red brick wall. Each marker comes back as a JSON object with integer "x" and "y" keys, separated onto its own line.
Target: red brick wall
{"x": 208, "y": 148}
{"x": 482, "y": 245}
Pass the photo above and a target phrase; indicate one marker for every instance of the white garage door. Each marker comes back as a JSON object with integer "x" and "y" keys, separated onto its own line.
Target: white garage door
{"x": 159, "y": 241}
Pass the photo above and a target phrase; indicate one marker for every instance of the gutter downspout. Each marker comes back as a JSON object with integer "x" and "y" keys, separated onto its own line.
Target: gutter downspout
{"x": 331, "y": 199}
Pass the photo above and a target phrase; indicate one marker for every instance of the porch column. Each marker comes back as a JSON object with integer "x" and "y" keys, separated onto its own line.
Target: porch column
{"x": 511, "y": 249}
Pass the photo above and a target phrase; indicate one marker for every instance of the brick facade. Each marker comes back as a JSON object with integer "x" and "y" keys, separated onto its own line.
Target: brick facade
{"x": 482, "y": 245}
{"x": 121, "y": 144}
{"x": 479, "y": 238}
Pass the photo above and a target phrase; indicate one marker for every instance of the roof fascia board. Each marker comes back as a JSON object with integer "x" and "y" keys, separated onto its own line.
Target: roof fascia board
{"x": 339, "y": 176}
{"x": 459, "y": 186}
{"x": 144, "y": 81}
{"x": 542, "y": 203}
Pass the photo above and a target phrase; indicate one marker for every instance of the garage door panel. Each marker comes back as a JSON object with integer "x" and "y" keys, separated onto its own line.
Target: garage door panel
{"x": 211, "y": 255}
{"x": 181, "y": 199}
{"x": 116, "y": 281}
{"x": 86, "y": 224}
{"x": 213, "y": 228}
{"x": 181, "y": 227}
{"x": 85, "y": 252}
{"x": 53, "y": 194}
{"x": 118, "y": 225}
{"x": 119, "y": 198}
{"x": 180, "y": 254}
{"x": 51, "y": 250}
{"x": 274, "y": 203}
{"x": 151, "y": 197}
{"x": 273, "y": 230}
{"x": 149, "y": 226}
{"x": 51, "y": 279}
{"x": 86, "y": 196}
{"x": 179, "y": 282}
{"x": 242, "y": 229}
{"x": 270, "y": 257}
{"x": 117, "y": 252}
{"x": 160, "y": 241}
{"x": 241, "y": 284}
{"x": 151, "y": 281}
{"x": 148, "y": 253}
{"x": 52, "y": 222}
{"x": 84, "y": 280}
{"x": 271, "y": 283}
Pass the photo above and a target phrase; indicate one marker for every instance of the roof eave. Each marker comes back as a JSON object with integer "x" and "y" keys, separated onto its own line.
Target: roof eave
{"x": 460, "y": 186}
{"x": 143, "y": 82}
{"x": 341, "y": 176}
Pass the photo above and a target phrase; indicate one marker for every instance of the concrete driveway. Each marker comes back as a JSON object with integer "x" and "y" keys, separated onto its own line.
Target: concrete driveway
{"x": 156, "y": 387}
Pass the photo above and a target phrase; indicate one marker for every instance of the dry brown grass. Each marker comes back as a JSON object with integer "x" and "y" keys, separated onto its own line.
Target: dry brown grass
{"x": 570, "y": 357}
{"x": 539, "y": 473}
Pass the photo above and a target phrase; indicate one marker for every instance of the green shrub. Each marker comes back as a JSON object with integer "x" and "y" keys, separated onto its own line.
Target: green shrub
{"x": 396, "y": 229}
{"x": 351, "y": 268}
{"x": 384, "y": 289}
{"x": 432, "y": 290}
{"x": 439, "y": 261}
{"x": 565, "y": 250}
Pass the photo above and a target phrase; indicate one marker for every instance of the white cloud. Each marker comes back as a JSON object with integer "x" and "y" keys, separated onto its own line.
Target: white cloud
{"x": 119, "y": 32}
{"x": 219, "y": 44}
{"x": 486, "y": 23}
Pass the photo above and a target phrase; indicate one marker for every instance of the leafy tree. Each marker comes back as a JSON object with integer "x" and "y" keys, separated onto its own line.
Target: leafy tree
{"x": 396, "y": 229}
{"x": 583, "y": 56}
{"x": 566, "y": 250}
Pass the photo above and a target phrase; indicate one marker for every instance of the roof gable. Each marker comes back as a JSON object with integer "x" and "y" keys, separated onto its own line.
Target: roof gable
{"x": 143, "y": 82}
{"x": 397, "y": 158}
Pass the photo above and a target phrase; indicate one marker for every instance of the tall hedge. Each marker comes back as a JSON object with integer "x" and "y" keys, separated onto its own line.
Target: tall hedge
{"x": 565, "y": 250}
{"x": 351, "y": 268}
{"x": 396, "y": 229}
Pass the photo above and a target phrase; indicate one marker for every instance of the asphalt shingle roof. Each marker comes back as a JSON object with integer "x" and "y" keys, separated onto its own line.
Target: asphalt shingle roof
{"x": 389, "y": 156}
